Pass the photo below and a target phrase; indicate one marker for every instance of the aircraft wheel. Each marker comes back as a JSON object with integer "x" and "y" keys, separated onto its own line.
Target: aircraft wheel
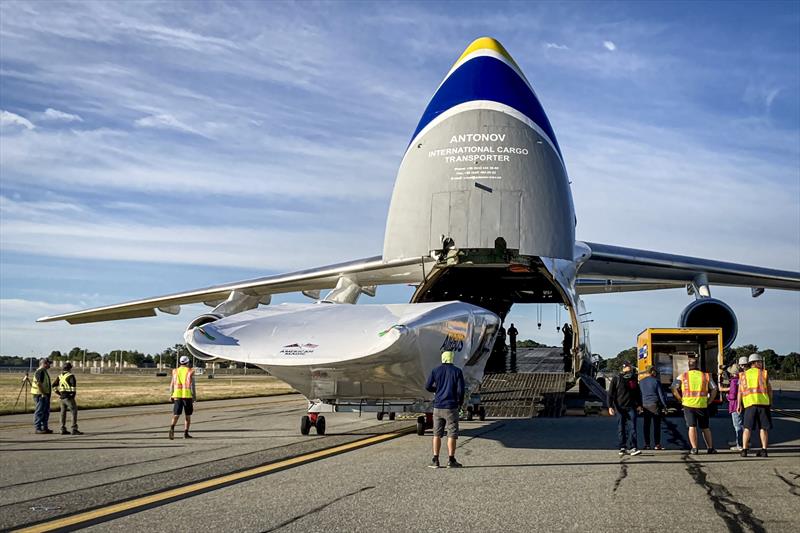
{"x": 470, "y": 412}
{"x": 320, "y": 425}
{"x": 305, "y": 425}
{"x": 481, "y": 413}
{"x": 391, "y": 416}
{"x": 380, "y": 415}
{"x": 421, "y": 425}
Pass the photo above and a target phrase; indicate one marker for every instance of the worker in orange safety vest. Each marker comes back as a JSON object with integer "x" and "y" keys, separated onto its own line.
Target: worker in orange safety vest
{"x": 696, "y": 390}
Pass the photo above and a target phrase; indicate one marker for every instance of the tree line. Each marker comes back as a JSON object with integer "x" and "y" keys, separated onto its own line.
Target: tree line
{"x": 168, "y": 357}
{"x": 779, "y": 366}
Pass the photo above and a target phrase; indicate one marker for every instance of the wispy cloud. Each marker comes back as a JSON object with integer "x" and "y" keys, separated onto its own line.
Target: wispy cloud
{"x": 55, "y": 114}
{"x": 11, "y": 120}
{"x": 556, "y": 46}
{"x": 165, "y": 121}
{"x": 609, "y": 45}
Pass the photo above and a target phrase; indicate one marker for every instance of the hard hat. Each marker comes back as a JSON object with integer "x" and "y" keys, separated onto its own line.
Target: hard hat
{"x": 447, "y": 357}
{"x": 184, "y": 360}
{"x": 753, "y": 358}
{"x": 743, "y": 360}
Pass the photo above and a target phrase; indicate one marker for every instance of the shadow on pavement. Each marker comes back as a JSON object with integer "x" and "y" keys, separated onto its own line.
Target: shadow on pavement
{"x": 598, "y": 433}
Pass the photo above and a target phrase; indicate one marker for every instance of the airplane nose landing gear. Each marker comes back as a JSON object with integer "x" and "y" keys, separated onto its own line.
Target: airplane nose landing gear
{"x": 312, "y": 420}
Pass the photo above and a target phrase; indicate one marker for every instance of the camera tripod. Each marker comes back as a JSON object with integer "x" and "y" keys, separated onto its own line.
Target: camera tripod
{"x": 24, "y": 387}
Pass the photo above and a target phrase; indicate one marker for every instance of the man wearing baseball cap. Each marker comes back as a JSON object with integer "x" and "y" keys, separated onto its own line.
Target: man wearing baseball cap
{"x": 41, "y": 389}
{"x": 182, "y": 395}
{"x": 447, "y": 383}
{"x": 625, "y": 401}
{"x": 755, "y": 398}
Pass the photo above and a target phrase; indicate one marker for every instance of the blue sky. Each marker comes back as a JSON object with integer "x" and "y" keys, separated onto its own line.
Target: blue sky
{"x": 149, "y": 148}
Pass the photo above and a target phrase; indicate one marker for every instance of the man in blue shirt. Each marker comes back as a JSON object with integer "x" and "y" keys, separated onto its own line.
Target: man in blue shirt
{"x": 447, "y": 383}
{"x": 653, "y": 402}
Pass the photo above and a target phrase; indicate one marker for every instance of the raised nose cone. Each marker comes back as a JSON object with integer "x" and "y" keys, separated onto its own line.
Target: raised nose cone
{"x": 482, "y": 164}
{"x": 486, "y": 71}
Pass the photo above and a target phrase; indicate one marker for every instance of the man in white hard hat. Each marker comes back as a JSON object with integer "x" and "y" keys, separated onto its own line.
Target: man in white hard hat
{"x": 755, "y": 399}
{"x": 182, "y": 395}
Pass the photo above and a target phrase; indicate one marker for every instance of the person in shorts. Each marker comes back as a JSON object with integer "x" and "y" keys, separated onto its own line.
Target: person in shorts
{"x": 755, "y": 399}
{"x": 447, "y": 383}
{"x": 696, "y": 390}
{"x": 182, "y": 395}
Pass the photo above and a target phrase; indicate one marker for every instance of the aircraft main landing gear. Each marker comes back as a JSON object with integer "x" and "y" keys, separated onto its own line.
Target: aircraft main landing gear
{"x": 424, "y": 422}
{"x": 479, "y": 410}
{"x": 312, "y": 420}
{"x": 381, "y": 414}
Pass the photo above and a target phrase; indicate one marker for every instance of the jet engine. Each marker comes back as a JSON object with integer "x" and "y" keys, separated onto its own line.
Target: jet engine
{"x": 711, "y": 313}
{"x": 200, "y": 321}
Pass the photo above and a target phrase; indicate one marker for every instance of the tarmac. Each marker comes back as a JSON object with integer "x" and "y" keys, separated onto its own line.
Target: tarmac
{"x": 249, "y": 469}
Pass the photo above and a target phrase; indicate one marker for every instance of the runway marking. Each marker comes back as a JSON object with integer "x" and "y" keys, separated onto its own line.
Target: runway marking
{"x": 109, "y": 512}
{"x": 786, "y": 412}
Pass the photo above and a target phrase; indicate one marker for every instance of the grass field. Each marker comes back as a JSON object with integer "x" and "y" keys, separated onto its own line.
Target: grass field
{"x": 109, "y": 390}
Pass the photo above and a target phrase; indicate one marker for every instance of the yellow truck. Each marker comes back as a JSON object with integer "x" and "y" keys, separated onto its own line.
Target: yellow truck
{"x": 669, "y": 349}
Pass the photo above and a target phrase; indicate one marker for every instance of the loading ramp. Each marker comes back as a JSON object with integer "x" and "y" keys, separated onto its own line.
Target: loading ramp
{"x": 524, "y": 394}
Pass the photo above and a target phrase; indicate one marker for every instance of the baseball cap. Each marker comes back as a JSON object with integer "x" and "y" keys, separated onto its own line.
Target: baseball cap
{"x": 626, "y": 363}
{"x": 447, "y": 357}
{"x": 753, "y": 358}
{"x": 183, "y": 360}
{"x": 733, "y": 369}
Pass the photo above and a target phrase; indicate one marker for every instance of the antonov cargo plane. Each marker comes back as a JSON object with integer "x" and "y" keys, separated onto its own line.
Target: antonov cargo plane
{"x": 481, "y": 218}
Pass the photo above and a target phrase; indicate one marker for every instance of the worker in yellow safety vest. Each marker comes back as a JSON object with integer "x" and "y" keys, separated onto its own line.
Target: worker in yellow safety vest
{"x": 755, "y": 399}
{"x": 41, "y": 389}
{"x": 182, "y": 395}
{"x": 696, "y": 390}
{"x": 67, "y": 388}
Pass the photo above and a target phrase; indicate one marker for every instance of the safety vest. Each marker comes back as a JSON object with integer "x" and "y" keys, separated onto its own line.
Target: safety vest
{"x": 182, "y": 382}
{"x": 694, "y": 389}
{"x": 35, "y": 390}
{"x": 63, "y": 384}
{"x": 754, "y": 387}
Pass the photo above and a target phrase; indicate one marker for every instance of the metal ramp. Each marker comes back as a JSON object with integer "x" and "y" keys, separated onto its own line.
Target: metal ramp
{"x": 523, "y": 395}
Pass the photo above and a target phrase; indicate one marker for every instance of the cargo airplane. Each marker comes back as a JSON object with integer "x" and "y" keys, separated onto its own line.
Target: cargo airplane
{"x": 481, "y": 218}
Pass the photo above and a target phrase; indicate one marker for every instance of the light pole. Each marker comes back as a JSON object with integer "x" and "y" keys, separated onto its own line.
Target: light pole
{"x": 84, "y": 361}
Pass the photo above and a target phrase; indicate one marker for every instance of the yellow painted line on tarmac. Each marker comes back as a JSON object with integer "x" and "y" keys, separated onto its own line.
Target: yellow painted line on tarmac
{"x": 181, "y": 492}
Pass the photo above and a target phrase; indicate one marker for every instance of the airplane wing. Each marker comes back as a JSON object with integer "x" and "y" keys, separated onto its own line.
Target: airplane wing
{"x": 366, "y": 272}
{"x": 618, "y": 269}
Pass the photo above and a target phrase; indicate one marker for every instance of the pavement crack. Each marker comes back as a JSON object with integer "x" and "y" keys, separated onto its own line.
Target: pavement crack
{"x": 794, "y": 488}
{"x": 623, "y": 473}
{"x": 735, "y": 514}
{"x": 317, "y": 509}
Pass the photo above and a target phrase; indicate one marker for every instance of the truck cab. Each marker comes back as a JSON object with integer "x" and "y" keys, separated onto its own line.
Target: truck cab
{"x": 669, "y": 349}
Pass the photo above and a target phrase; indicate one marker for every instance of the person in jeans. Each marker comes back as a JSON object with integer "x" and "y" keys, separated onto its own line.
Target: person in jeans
{"x": 447, "y": 383}
{"x": 732, "y": 397}
{"x": 41, "y": 389}
{"x": 653, "y": 403}
{"x": 625, "y": 400}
